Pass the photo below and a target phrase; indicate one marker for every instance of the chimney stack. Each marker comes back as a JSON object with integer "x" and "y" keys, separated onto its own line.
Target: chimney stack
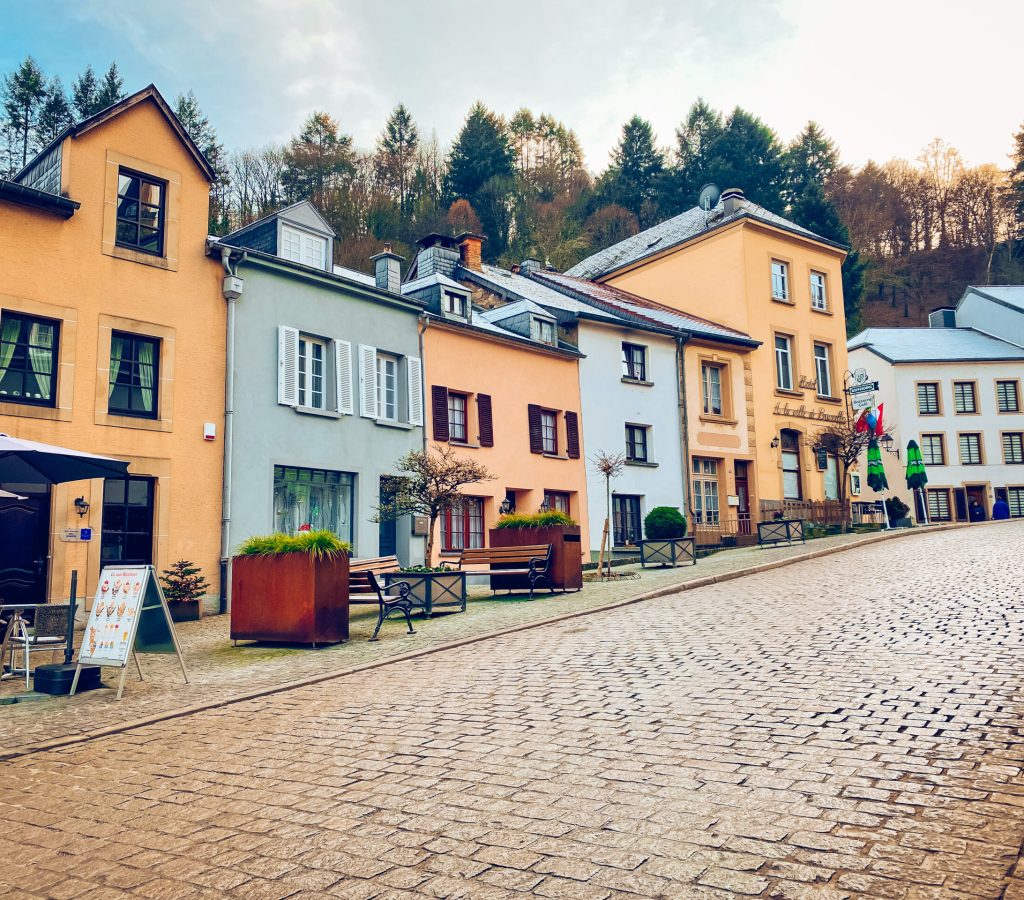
{"x": 732, "y": 200}
{"x": 529, "y": 265}
{"x": 387, "y": 269}
{"x": 471, "y": 250}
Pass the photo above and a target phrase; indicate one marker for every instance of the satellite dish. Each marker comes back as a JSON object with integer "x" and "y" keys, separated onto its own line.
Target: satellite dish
{"x": 708, "y": 197}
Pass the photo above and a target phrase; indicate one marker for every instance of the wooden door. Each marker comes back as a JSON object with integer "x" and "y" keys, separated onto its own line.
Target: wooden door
{"x": 24, "y": 548}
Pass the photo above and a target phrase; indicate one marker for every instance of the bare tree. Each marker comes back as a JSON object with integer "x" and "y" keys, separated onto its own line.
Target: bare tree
{"x": 610, "y": 466}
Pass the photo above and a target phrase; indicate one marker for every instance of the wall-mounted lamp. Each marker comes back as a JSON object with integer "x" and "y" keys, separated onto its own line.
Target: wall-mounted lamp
{"x": 506, "y": 507}
{"x": 545, "y": 506}
{"x": 886, "y": 442}
{"x": 81, "y": 507}
{"x": 775, "y": 442}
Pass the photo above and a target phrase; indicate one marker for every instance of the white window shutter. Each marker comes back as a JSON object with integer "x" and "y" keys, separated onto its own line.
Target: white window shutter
{"x": 287, "y": 365}
{"x": 368, "y": 381}
{"x": 415, "y": 369}
{"x": 343, "y": 377}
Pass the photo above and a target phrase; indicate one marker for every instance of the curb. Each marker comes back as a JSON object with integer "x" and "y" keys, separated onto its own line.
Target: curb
{"x": 696, "y": 583}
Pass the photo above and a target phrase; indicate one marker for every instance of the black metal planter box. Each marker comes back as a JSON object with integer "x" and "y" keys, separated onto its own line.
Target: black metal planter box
{"x": 780, "y": 531}
{"x": 674, "y": 552}
{"x": 433, "y": 590}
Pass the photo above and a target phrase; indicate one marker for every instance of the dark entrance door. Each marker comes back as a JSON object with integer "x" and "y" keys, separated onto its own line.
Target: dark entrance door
{"x": 976, "y": 493}
{"x": 743, "y": 492}
{"x": 127, "y": 522}
{"x": 387, "y": 540}
{"x": 24, "y": 546}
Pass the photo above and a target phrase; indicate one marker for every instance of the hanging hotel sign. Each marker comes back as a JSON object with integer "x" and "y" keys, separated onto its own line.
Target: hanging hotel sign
{"x": 804, "y": 412}
{"x": 866, "y": 388}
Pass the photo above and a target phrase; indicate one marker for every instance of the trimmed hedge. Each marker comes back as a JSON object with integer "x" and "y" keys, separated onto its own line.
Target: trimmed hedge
{"x": 664, "y": 523}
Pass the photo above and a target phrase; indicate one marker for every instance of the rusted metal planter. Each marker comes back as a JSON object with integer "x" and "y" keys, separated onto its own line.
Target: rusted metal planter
{"x": 668, "y": 552}
{"x": 565, "y": 571}
{"x": 293, "y": 598}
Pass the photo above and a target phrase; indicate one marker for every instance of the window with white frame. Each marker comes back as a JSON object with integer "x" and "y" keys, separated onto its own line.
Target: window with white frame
{"x": 933, "y": 449}
{"x": 542, "y": 330}
{"x": 819, "y": 296}
{"x": 783, "y": 362}
{"x": 705, "y": 491}
{"x": 312, "y": 370}
{"x": 549, "y": 431}
{"x": 454, "y": 303}
{"x": 387, "y": 387}
{"x": 458, "y": 430}
{"x": 970, "y": 449}
{"x": 711, "y": 388}
{"x": 303, "y": 247}
{"x": 823, "y": 368}
{"x": 1013, "y": 447}
{"x": 462, "y": 526}
{"x": 780, "y": 280}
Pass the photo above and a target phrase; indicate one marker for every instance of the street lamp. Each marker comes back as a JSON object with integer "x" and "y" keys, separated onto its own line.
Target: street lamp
{"x": 887, "y": 442}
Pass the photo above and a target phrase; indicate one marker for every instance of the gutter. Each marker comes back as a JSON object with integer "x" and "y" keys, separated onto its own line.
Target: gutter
{"x": 684, "y": 419}
{"x": 424, "y": 325}
{"x": 43, "y": 200}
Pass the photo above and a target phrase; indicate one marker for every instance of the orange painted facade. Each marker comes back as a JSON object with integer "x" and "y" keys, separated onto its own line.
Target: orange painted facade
{"x": 470, "y": 363}
{"x": 74, "y": 273}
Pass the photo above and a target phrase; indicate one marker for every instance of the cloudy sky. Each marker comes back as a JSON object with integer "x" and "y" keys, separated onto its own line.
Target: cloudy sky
{"x": 883, "y": 77}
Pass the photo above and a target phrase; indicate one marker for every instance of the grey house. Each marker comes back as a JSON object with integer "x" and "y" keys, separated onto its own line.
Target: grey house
{"x": 327, "y": 385}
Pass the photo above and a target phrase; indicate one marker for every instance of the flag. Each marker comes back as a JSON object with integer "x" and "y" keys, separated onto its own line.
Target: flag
{"x": 879, "y": 427}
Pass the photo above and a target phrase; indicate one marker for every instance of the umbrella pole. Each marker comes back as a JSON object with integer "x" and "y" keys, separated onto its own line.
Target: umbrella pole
{"x": 924, "y": 505}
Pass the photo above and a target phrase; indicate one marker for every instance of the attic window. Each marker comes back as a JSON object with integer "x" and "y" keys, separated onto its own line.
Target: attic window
{"x": 454, "y": 304}
{"x": 542, "y": 330}
{"x": 303, "y": 247}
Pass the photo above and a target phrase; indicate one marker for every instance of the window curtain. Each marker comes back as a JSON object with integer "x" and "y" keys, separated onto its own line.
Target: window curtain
{"x": 116, "y": 357}
{"x": 41, "y": 359}
{"x": 145, "y": 361}
{"x": 9, "y": 331}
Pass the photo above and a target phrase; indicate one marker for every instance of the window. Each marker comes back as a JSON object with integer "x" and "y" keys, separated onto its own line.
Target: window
{"x": 542, "y": 330}
{"x": 312, "y": 360}
{"x": 1008, "y": 396}
{"x": 625, "y": 520}
{"x": 557, "y": 501}
{"x": 458, "y": 429}
{"x": 1015, "y": 497}
{"x": 140, "y": 212}
{"x": 780, "y": 280}
{"x": 1013, "y": 447}
{"x": 792, "y": 487}
{"x": 462, "y": 526}
{"x": 855, "y": 484}
{"x": 964, "y": 399}
{"x": 387, "y": 387}
{"x": 933, "y": 449}
{"x": 970, "y": 449}
{"x": 823, "y": 369}
{"x": 454, "y": 303}
{"x": 127, "y": 536}
{"x": 134, "y": 375}
{"x": 549, "y": 431}
{"x": 28, "y": 359}
{"x": 819, "y": 297}
{"x": 783, "y": 362}
{"x": 302, "y": 247}
{"x": 711, "y": 387}
{"x": 928, "y": 398}
{"x": 309, "y": 499}
{"x": 705, "y": 491}
{"x": 938, "y": 505}
{"x": 634, "y": 362}
{"x": 636, "y": 443}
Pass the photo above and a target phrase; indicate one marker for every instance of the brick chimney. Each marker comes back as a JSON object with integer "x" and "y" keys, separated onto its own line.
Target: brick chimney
{"x": 387, "y": 269}
{"x": 732, "y": 200}
{"x": 471, "y": 250}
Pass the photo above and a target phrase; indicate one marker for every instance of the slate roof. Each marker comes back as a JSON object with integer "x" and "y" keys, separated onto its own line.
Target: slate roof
{"x": 1005, "y": 294}
{"x": 353, "y": 275}
{"x": 916, "y": 345}
{"x": 678, "y": 230}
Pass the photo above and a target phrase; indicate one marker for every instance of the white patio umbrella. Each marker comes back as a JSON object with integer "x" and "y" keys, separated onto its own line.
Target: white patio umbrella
{"x": 28, "y": 462}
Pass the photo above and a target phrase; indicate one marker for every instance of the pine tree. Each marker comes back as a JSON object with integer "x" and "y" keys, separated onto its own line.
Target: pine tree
{"x": 83, "y": 93}
{"x": 396, "y": 157}
{"x": 1017, "y": 179}
{"x": 633, "y": 178}
{"x": 812, "y": 157}
{"x": 318, "y": 162}
{"x": 56, "y": 114}
{"x": 184, "y": 582}
{"x": 481, "y": 151}
{"x": 189, "y": 113}
{"x": 748, "y": 155}
{"x": 24, "y": 93}
{"x": 111, "y": 88}
{"x": 695, "y": 141}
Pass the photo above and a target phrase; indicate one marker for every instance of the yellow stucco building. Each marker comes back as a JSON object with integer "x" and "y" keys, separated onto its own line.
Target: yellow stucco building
{"x": 112, "y": 342}
{"x": 750, "y": 269}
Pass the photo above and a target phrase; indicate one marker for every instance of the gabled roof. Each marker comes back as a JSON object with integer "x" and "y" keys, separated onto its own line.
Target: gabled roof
{"x": 147, "y": 94}
{"x": 1011, "y": 295}
{"x": 680, "y": 229}
{"x": 934, "y": 345}
{"x": 418, "y": 284}
{"x": 304, "y": 206}
{"x": 515, "y": 308}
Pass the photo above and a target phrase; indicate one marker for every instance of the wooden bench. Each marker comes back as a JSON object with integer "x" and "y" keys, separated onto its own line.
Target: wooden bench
{"x": 365, "y": 590}
{"x": 531, "y": 561}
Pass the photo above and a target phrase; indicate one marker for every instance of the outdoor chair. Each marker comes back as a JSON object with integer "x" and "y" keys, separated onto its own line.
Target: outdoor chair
{"x": 48, "y": 634}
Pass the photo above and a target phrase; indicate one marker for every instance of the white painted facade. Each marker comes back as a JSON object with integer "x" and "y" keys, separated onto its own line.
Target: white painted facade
{"x": 999, "y": 313}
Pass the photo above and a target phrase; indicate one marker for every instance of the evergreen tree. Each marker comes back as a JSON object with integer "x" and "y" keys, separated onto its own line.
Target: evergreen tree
{"x": 83, "y": 93}
{"x": 396, "y": 157}
{"x": 111, "y": 88}
{"x": 482, "y": 151}
{"x": 811, "y": 157}
{"x": 24, "y": 93}
{"x": 317, "y": 162}
{"x": 1016, "y": 189}
{"x": 633, "y": 178}
{"x": 186, "y": 108}
{"x": 695, "y": 140}
{"x": 748, "y": 155}
{"x": 56, "y": 114}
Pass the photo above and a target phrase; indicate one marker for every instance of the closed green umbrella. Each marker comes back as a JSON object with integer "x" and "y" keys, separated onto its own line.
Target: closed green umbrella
{"x": 876, "y": 471}
{"x": 917, "y": 477}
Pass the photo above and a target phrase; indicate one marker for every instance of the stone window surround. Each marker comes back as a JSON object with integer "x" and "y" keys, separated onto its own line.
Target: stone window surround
{"x": 165, "y": 371}
{"x": 727, "y": 416}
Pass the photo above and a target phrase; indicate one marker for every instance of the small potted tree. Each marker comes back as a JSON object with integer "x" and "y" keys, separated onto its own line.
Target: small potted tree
{"x": 666, "y": 543}
{"x": 184, "y": 587}
{"x": 291, "y": 588}
{"x": 898, "y": 513}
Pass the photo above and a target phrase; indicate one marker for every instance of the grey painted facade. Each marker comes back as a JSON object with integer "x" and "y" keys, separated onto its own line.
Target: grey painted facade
{"x": 287, "y": 435}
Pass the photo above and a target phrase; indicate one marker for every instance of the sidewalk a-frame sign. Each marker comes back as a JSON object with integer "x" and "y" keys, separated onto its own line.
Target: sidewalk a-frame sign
{"x": 129, "y": 616}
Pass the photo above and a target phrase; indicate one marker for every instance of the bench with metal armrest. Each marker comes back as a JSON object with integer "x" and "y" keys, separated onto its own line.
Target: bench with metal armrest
{"x": 364, "y": 589}
{"x": 531, "y": 561}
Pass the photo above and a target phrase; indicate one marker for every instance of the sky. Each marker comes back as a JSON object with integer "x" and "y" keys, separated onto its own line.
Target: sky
{"x": 882, "y": 78}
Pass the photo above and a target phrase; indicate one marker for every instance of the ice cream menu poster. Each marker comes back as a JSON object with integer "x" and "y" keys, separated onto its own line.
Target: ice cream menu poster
{"x": 110, "y": 629}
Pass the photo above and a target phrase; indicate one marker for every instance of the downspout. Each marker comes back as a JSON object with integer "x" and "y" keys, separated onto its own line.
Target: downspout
{"x": 231, "y": 294}
{"x": 681, "y": 390}
{"x": 424, "y": 323}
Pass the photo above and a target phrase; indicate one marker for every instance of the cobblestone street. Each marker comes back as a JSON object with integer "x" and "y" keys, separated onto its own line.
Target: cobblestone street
{"x": 847, "y": 726}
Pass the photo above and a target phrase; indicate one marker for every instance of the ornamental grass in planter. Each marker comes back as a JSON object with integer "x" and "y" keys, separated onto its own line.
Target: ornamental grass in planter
{"x": 433, "y": 587}
{"x": 666, "y": 543}
{"x": 291, "y": 588}
{"x": 565, "y": 570}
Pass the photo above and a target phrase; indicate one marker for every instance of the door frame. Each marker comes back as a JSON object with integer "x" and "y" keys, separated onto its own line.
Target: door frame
{"x": 44, "y": 535}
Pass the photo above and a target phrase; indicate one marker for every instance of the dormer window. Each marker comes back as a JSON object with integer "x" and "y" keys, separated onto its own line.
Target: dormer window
{"x": 542, "y": 330}
{"x": 453, "y": 303}
{"x": 303, "y": 247}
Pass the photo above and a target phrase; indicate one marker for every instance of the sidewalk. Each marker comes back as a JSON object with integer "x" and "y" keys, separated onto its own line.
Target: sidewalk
{"x": 220, "y": 672}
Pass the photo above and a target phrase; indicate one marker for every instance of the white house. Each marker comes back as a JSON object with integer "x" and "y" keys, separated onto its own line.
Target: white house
{"x": 994, "y": 309}
{"x": 958, "y": 393}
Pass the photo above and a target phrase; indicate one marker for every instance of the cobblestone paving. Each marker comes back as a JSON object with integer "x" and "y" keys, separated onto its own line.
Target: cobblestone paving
{"x": 849, "y": 726}
{"x": 219, "y": 671}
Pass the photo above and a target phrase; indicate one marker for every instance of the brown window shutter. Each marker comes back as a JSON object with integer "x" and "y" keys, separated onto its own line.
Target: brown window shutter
{"x": 439, "y": 408}
{"x": 486, "y": 420}
{"x": 536, "y": 436}
{"x": 572, "y": 435}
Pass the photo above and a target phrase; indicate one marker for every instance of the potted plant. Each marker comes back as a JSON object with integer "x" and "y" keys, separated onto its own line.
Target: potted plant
{"x": 431, "y": 587}
{"x": 184, "y": 587}
{"x": 666, "y": 543}
{"x": 291, "y": 588}
{"x": 565, "y": 570}
{"x": 898, "y": 513}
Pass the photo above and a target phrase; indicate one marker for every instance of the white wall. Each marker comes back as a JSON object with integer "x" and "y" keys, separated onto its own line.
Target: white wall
{"x": 608, "y": 404}
{"x": 994, "y": 318}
